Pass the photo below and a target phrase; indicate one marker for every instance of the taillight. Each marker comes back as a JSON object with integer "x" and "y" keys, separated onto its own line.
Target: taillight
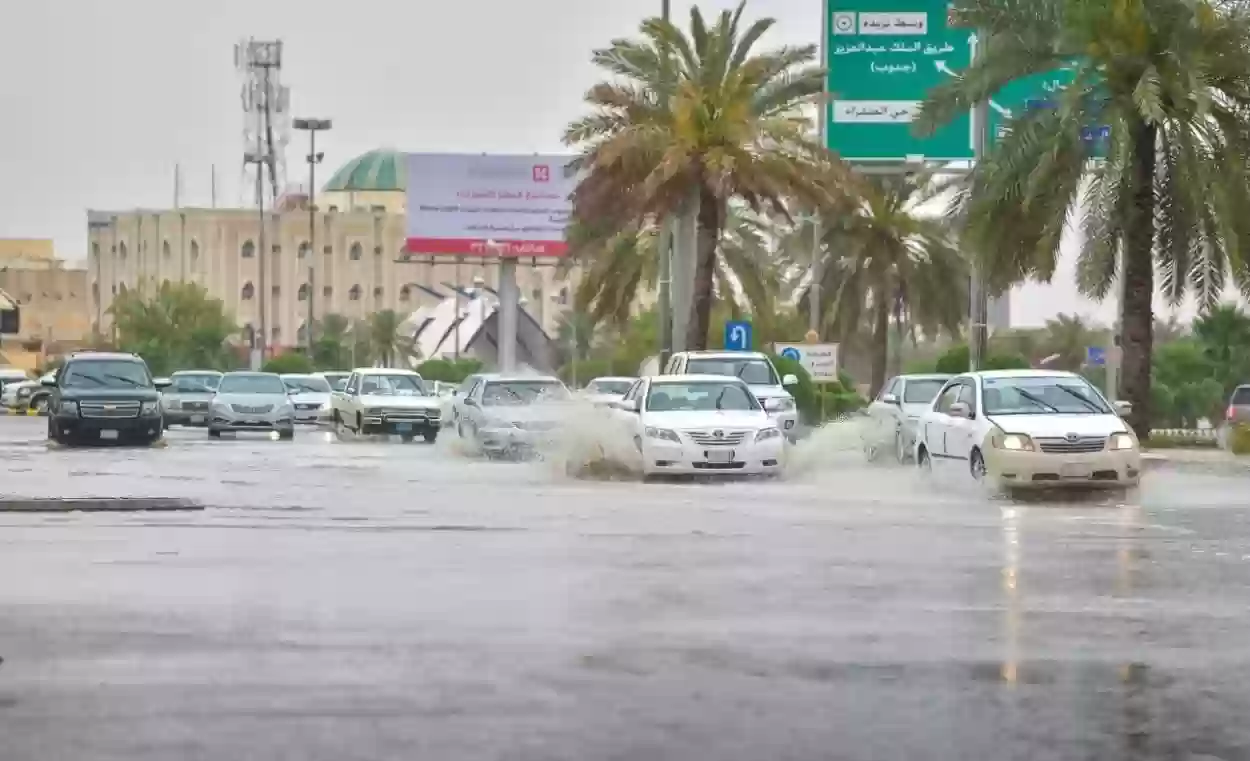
{"x": 1228, "y": 414}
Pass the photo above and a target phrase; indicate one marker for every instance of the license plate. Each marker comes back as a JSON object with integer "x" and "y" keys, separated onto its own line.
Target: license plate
{"x": 109, "y": 435}
{"x": 403, "y": 427}
{"x": 719, "y": 455}
{"x": 1075, "y": 470}
{"x": 253, "y": 422}
{"x": 197, "y": 418}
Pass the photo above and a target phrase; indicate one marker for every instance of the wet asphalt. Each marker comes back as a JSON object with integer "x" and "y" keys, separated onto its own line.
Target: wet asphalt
{"x": 341, "y": 600}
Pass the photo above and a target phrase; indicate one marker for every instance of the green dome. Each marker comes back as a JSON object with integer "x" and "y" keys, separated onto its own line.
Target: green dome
{"x": 373, "y": 171}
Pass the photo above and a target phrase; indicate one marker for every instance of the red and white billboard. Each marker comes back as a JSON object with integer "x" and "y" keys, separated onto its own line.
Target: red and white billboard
{"x": 482, "y": 205}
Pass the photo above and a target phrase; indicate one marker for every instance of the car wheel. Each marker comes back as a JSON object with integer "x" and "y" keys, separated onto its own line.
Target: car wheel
{"x": 406, "y": 437}
{"x": 213, "y": 433}
{"x": 976, "y": 465}
{"x": 286, "y": 435}
{"x": 460, "y": 430}
{"x": 40, "y": 405}
{"x": 430, "y": 437}
{"x": 900, "y": 448}
{"x": 922, "y": 460}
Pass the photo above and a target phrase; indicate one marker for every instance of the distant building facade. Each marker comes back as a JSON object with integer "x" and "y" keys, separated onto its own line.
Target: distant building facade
{"x": 351, "y": 269}
{"x": 51, "y": 295}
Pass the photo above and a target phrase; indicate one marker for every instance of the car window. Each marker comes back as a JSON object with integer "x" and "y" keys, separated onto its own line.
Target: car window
{"x": 251, "y": 383}
{"x": 1241, "y": 396}
{"x": 350, "y": 387}
{"x": 306, "y": 384}
{"x": 467, "y": 385}
{"x": 397, "y": 384}
{"x": 609, "y": 386}
{"x": 948, "y": 397}
{"x": 632, "y": 393}
{"x": 752, "y": 370}
{"x": 506, "y": 393}
{"x": 205, "y": 383}
{"x": 105, "y": 373}
{"x": 1043, "y": 395}
{"x": 700, "y": 396}
{"x": 968, "y": 395}
{"x": 921, "y": 391}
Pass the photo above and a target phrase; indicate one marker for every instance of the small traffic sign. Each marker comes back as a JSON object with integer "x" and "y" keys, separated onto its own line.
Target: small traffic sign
{"x": 1095, "y": 355}
{"x": 792, "y": 353}
{"x": 738, "y": 335}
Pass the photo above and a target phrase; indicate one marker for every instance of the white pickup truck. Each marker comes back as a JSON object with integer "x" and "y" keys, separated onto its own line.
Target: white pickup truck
{"x": 378, "y": 400}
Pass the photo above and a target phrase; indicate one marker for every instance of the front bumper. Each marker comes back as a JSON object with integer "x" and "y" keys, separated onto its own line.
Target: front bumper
{"x": 229, "y": 420}
{"x": 183, "y": 416}
{"x": 315, "y": 416}
{"x": 753, "y": 458}
{"x": 1110, "y": 468}
{"x": 415, "y": 423}
{"x": 512, "y": 439}
{"x": 785, "y": 420}
{"x": 102, "y": 429}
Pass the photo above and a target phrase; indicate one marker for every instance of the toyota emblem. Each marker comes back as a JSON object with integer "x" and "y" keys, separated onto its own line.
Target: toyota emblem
{"x": 718, "y": 434}
{"x": 1072, "y": 437}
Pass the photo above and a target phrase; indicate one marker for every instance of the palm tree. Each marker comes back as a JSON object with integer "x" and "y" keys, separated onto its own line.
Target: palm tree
{"x": 389, "y": 344}
{"x": 693, "y": 122}
{"x": 1224, "y": 334}
{"x": 886, "y": 261}
{"x": 1069, "y": 336}
{"x": 1170, "y": 80}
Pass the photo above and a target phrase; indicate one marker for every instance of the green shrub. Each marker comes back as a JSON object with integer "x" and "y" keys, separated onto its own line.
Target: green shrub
{"x": 1180, "y": 441}
{"x": 448, "y": 370}
{"x": 290, "y": 362}
{"x": 956, "y": 359}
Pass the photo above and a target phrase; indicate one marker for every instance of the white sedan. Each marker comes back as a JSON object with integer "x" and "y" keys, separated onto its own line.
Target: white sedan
{"x": 701, "y": 424}
{"x": 608, "y": 390}
{"x": 1029, "y": 428}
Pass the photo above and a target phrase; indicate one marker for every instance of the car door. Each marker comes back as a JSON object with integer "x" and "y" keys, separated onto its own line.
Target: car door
{"x": 633, "y": 395}
{"x": 933, "y": 425}
{"x": 961, "y": 432}
{"x": 884, "y": 416}
{"x": 460, "y": 394}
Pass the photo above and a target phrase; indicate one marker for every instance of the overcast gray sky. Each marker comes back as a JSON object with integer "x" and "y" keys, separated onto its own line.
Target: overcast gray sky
{"x": 103, "y": 99}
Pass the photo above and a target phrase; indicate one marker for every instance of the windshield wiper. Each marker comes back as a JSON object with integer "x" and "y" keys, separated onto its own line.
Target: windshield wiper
{"x": 1080, "y": 398}
{"x": 720, "y": 398}
{"x": 131, "y": 381}
{"x": 1040, "y": 402}
{"x": 84, "y": 376}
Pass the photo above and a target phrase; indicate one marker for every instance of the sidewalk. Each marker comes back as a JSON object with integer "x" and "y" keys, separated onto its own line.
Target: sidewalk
{"x": 1194, "y": 456}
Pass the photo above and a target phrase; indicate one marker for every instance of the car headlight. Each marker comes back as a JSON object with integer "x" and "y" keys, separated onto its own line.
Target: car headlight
{"x": 69, "y": 408}
{"x": 780, "y": 404}
{"x": 21, "y": 392}
{"x": 1016, "y": 442}
{"x": 150, "y": 408}
{"x": 373, "y": 411}
{"x": 765, "y": 434}
{"x": 1122, "y": 441}
{"x": 661, "y": 433}
{"x": 324, "y": 406}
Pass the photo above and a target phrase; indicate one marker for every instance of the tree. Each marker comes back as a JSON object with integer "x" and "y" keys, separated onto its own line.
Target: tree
{"x": 179, "y": 327}
{"x": 955, "y": 361}
{"x": 448, "y": 370}
{"x": 1169, "y": 80}
{"x": 386, "y": 338}
{"x": 693, "y": 122}
{"x": 1224, "y": 335}
{"x": 1185, "y": 389}
{"x": 330, "y": 342}
{"x": 289, "y": 362}
{"x": 886, "y": 261}
{"x": 1069, "y": 337}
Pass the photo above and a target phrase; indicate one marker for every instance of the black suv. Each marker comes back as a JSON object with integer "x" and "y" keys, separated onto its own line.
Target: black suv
{"x": 100, "y": 397}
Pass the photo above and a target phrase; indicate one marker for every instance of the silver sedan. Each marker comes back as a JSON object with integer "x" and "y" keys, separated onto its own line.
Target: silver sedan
{"x": 251, "y": 402}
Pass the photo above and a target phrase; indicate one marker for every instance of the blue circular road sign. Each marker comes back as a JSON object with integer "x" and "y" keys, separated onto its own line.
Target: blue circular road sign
{"x": 792, "y": 353}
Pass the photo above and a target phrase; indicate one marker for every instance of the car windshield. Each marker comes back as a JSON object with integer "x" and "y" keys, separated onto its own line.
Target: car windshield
{"x": 205, "y": 383}
{"x": 521, "y": 392}
{"x": 106, "y": 373}
{"x": 306, "y": 384}
{"x": 609, "y": 386}
{"x": 700, "y": 396}
{"x": 921, "y": 391}
{"x": 756, "y": 372}
{"x": 1042, "y": 395}
{"x": 246, "y": 383}
{"x": 1241, "y": 397}
{"x": 392, "y": 385}
{"x": 337, "y": 382}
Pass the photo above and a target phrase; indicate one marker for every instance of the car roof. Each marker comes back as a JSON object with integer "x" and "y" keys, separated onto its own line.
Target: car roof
{"x": 333, "y": 372}
{"x": 718, "y": 354}
{"x": 621, "y": 378}
{"x": 693, "y": 377}
{"x": 79, "y": 356}
{"x": 504, "y": 378}
{"x": 1002, "y": 374}
{"x": 237, "y": 373}
{"x": 385, "y": 371}
{"x": 196, "y": 372}
{"x": 926, "y": 376}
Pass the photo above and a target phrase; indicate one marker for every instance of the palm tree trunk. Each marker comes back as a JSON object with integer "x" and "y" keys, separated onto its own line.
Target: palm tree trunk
{"x": 710, "y": 220}
{"x": 1137, "y": 320}
{"x": 880, "y": 341}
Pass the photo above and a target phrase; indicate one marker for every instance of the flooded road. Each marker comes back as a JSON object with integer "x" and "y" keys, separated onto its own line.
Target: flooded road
{"x": 365, "y": 600}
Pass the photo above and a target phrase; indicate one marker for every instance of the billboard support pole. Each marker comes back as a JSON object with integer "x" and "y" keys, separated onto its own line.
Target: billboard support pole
{"x": 508, "y": 305}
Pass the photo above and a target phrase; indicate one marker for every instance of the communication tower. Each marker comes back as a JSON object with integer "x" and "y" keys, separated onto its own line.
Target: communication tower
{"x": 266, "y": 113}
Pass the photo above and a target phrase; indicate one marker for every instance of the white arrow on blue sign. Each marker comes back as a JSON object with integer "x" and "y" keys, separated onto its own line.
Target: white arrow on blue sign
{"x": 738, "y": 335}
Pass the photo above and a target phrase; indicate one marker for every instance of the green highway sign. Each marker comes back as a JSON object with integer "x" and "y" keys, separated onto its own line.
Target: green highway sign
{"x": 883, "y": 57}
{"x": 1038, "y": 91}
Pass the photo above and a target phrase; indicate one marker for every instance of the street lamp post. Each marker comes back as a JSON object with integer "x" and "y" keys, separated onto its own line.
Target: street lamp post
{"x": 666, "y": 238}
{"x": 312, "y": 126}
{"x": 261, "y": 160}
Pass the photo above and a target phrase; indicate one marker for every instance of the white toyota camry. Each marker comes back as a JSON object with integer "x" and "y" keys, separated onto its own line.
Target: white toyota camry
{"x": 1029, "y": 428}
{"x": 701, "y": 424}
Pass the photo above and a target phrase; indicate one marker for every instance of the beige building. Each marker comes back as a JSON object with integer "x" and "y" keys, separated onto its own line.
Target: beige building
{"x": 353, "y": 268}
{"x": 52, "y": 296}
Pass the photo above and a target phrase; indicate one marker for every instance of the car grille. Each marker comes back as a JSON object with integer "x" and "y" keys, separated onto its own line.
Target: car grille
{"x": 710, "y": 439}
{"x": 1079, "y": 445}
{"x": 251, "y": 410}
{"x": 312, "y": 406}
{"x": 109, "y": 410}
{"x": 406, "y": 414}
{"x": 195, "y": 406}
{"x": 531, "y": 425}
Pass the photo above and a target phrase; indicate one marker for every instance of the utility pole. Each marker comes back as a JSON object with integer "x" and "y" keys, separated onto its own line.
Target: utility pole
{"x": 665, "y": 241}
{"x": 313, "y": 126}
{"x": 259, "y": 340}
{"x": 977, "y": 307}
{"x": 813, "y": 290}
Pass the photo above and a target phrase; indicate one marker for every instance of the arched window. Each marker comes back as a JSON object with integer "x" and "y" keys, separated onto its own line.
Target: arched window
{"x": 249, "y": 249}
{"x": 304, "y": 248}
{"x": 276, "y": 291}
{"x": 95, "y": 250}
{"x": 121, "y": 250}
{"x": 165, "y": 251}
{"x": 377, "y": 292}
{"x": 248, "y": 292}
{"x": 354, "y": 293}
{"x": 327, "y": 291}
{"x": 355, "y": 252}
{"x": 303, "y": 292}
{"x": 275, "y": 334}
{"x": 195, "y": 250}
{"x": 405, "y": 293}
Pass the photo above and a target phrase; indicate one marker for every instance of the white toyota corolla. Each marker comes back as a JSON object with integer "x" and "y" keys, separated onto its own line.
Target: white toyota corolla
{"x": 701, "y": 424}
{"x": 1029, "y": 428}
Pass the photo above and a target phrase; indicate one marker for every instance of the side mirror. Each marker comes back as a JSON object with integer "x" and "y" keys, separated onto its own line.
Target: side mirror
{"x": 1123, "y": 408}
{"x": 790, "y": 380}
{"x": 49, "y": 382}
{"x": 624, "y": 405}
{"x": 889, "y": 399}
{"x": 960, "y": 409}
{"x": 162, "y": 383}
{"x": 470, "y": 401}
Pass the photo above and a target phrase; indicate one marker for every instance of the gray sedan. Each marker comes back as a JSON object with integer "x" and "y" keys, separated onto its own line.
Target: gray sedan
{"x": 251, "y": 402}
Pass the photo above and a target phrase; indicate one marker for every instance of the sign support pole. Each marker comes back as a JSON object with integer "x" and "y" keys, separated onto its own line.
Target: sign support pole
{"x": 977, "y": 308}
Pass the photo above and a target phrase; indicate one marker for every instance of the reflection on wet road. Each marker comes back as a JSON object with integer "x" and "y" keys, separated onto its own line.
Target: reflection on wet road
{"x": 370, "y": 600}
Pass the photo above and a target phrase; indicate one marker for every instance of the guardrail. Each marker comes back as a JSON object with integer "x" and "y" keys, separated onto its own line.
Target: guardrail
{"x": 1201, "y": 434}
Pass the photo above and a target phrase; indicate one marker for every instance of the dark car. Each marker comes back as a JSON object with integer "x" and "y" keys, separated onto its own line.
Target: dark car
{"x": 102, "y": 397}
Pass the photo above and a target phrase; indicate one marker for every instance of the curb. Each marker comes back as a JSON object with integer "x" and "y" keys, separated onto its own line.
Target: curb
{"x": 18, "y": 413}
{"x": 96, "y": 505}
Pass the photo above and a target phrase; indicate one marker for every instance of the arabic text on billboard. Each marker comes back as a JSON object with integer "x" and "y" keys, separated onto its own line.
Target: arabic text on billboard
{"x": 468, "y": 204}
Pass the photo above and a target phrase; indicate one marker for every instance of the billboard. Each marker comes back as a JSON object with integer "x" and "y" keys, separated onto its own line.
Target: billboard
{"x": 488, "y": 205}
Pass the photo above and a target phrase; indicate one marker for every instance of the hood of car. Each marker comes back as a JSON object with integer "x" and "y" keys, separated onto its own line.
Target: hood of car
{"x": 251, "y": 400}
{"x": 1060, "y": 425}
{"x": 400, "y": 402}
{"x": 708, "y": 419}
{"x": 916, "y": 410}
{"x": 769, "y": 392}
{"x": 197, "y": 396}
{"x": 527, "y": 413}
{"x": 604, "y": 398}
